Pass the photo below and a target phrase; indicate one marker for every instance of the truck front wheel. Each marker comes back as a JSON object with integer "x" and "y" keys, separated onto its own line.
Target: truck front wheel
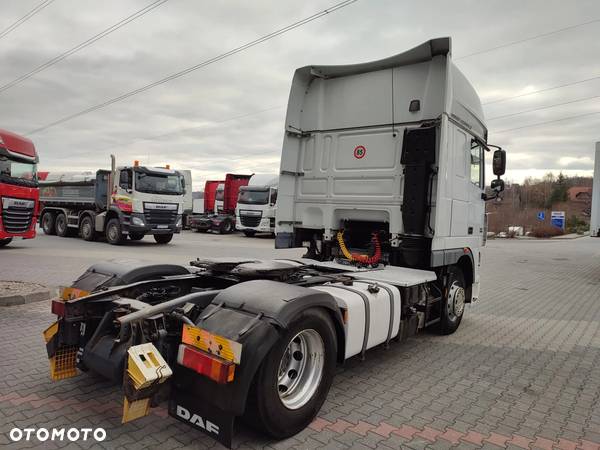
{"x": 4, "y": 242}
{"x": 163, "y": 238}
{"x": 294, "y": 379}
{"x": 113, "y": 232}
{"x": 62, "y": 229}
{"x": 48, "y": 223}
{"x": 87, "y": 229}
{"x": 453, "y": 306}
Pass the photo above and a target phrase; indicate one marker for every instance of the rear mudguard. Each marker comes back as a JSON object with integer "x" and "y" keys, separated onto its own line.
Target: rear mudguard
{"x": 118, "y": 272}
{"x": 255, "y": 314}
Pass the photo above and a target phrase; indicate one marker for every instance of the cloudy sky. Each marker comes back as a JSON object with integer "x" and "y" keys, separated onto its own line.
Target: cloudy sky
{"x": 229, "y": 115}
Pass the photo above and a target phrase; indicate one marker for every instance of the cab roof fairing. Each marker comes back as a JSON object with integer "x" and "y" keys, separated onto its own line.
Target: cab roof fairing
{"x": 18, "y": 146}
{"x": 460, "y": 102}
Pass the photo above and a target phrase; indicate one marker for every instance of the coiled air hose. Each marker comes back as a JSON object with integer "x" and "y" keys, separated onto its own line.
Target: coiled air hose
{"x": 356, "y": 257}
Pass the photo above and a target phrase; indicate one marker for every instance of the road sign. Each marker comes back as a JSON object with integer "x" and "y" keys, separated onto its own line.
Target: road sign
{"x": 360, "y": 151}
{"x": 541, "y": 215}
{"x": 557, "y": 218}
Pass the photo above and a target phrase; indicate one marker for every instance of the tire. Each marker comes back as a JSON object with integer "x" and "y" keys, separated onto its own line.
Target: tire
{"x": 226, "y": 227}
{"x": 163, "y": 238}
{"x": 136, "y": 236}
{"x": 60, "y": 225}
{"x": 249, "y": 233}
{"x": 87, "y": 229}
{"x": 48, "y": 224}
{"x": 278, "y": 405}
{"x": 5, "y": 242}
{"x": 453, "y": 305}
{"x": 113, "y": 232}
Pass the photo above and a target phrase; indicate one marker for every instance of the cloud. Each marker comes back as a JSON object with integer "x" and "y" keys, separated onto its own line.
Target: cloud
{"x": 218, "y": 119}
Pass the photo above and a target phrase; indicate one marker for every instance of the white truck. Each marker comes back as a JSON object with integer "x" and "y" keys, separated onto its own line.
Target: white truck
{"x": 256, "y": 208}
{"x": 595, "y": 217}
{"x": 382, "y": 181}
{"x": 129, "y": 201}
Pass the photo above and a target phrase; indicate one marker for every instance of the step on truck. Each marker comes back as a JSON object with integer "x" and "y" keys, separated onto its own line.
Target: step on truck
{"x": 18, "y": 188}
{"x": 129, "y": 201}
{"x": 256, "y": 207}
{"x": 382, "y": 181}
{"x": 595, "y": 215}
{"x": 221, "y": 216}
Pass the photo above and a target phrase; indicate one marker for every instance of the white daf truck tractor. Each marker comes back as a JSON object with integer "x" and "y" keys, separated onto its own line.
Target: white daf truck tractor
{"x": 382, "y": 181}
{"x": 256, "y": 207}
{"x": 129, "y": 201}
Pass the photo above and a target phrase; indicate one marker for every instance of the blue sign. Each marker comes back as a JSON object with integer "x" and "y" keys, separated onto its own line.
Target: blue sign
{"x": 557, "y": 218}
{"x": 541, "y": 215}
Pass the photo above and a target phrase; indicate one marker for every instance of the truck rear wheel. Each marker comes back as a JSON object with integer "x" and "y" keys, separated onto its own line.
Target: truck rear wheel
{"x": 87, "y": 229}
{"x": 163, "y": 238}
{"x": 5, "y": 242}
{"x": 113, "y": 232}
{"x": 62, "y": 229}
{"x": 294, "y": 379}
{"x": 453, "y": 306}
{"x": 226, "y": 227}
{"x": 48, "y": 223}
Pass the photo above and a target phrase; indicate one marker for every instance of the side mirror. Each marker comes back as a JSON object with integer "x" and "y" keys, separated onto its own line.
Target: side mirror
{"x": 498, "y": 185}
{"x": 499, "y": 163}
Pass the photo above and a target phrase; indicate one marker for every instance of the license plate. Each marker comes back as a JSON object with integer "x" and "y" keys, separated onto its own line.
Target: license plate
{"x": 162, "y": 227}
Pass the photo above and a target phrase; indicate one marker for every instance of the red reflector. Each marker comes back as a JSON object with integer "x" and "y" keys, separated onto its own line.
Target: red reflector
{"x": 58, "y": 308}
{"x": 213, "y": 367}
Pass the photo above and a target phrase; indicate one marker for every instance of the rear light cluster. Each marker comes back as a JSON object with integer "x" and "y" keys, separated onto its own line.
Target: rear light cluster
{"x": 209, "y": 354}
{"x": 213, "y": 367}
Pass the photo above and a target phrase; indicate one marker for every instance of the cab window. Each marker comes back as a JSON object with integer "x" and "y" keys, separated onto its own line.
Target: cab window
{"x": 476, "y": 160}
{"x": 125, "y": 179}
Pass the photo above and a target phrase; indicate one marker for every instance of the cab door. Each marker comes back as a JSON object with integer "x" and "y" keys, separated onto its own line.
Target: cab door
{"x": 476, "y": 220}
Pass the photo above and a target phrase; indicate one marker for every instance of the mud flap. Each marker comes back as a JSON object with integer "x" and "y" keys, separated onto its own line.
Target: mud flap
{"x": 208, "y": 418}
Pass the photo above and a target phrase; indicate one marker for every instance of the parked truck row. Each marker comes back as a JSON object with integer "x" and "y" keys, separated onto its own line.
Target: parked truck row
{"x": 387, "y": 198}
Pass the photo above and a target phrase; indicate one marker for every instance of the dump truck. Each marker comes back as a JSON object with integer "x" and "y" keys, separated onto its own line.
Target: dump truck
{"x": 127, "y": 201}
{"x": 256, "y": 207}
{"x": 382, "y": 182}
{"x": 18, "y": 187}
{"x": 219, "y": 210}
{"x": 595, "y": 215}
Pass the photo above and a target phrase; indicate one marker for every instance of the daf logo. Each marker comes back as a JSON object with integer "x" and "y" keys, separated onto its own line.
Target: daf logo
{"x": 161, "y": 207}
{"x": 20, "y": 203}
{"x": 195, "y": 419}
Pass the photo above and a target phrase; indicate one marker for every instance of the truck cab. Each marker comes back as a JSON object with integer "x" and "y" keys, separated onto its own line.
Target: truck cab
{"x": 18, "y": 187}
{"x": 255, "y": 211}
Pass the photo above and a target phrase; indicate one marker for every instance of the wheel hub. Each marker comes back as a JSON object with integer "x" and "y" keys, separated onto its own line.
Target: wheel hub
{"x": 301, "y": 369}
{"x": 456, "y": 300}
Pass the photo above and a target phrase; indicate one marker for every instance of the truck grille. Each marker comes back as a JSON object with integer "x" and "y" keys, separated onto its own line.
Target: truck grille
{"x": 17, "y": 219}
{"x": 158, "y": 217}
{"x": 250, "y": 221}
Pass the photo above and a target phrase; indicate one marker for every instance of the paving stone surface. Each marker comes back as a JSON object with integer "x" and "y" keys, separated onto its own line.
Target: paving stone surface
{"x": 522, "y": 371}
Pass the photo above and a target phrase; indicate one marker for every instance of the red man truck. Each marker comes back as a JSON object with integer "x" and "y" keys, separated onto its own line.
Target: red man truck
{"x": 18, "y": 187}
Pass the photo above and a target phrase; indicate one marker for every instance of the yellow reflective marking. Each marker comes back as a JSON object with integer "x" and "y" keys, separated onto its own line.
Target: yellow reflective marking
{"x": 69, "y": 293}
{"x": 212, "y": 343}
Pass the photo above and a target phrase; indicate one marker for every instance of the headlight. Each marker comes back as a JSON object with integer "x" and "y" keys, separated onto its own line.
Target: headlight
{"x": 179, "y": 222}
{"x": 138, "y": 221}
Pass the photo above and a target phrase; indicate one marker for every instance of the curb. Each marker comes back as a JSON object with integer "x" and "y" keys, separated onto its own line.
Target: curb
{"x": 32, "y": 297}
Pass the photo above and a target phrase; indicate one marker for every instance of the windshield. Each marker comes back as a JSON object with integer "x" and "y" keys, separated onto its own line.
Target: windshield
{"x": 155, "y": 183}
{"x": 249, "y": 197}
{"x": 21, "y": 170}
